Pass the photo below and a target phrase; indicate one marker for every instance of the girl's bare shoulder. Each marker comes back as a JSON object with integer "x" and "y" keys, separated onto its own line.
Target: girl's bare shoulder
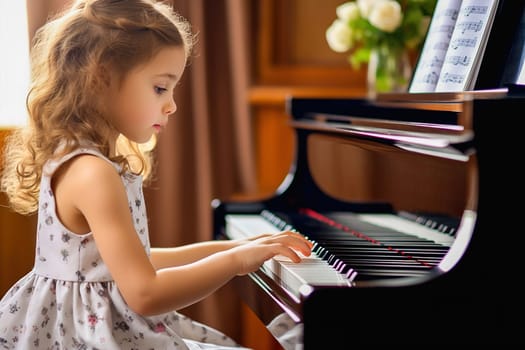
{"x": 86, "y": 167}
{"x": 87, "y": 174}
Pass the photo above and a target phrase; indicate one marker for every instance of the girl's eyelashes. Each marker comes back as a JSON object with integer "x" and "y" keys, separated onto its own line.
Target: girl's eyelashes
{"x": 160, "y": 90}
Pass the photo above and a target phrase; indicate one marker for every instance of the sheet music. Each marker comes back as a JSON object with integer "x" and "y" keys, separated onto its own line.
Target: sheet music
{"x": 435, "y": 47}
{"x": 464, "y": 54}
{"x": 521, "y": 76}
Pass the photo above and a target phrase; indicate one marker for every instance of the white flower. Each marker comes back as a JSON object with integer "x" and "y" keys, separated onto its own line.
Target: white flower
{"x": 365, "y": 6}
{"x": 386, "y": 15}
{"x": 339, "y": 36}
{"x": 362, "y": 26}
{"x": 347, "y": 11}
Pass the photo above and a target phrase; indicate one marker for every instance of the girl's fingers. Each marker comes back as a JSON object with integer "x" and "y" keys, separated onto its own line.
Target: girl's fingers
{"x": 286, "y": 253}
{"x": 294, "y": 241}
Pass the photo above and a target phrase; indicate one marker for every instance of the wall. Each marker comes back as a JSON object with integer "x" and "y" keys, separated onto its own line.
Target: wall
{"x": 17, "y": 240}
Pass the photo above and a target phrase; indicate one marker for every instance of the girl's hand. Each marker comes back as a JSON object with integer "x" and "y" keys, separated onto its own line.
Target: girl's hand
{"x": 241, "y": 241}
{"x": 254, "y": 252}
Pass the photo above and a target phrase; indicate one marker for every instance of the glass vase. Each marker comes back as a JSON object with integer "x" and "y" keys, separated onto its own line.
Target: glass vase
{"x": 389, "y": 70}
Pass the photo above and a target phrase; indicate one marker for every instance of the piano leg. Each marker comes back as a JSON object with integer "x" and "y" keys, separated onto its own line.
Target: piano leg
{"x": 255, "y": 334}
{"x": 268, "y": 327}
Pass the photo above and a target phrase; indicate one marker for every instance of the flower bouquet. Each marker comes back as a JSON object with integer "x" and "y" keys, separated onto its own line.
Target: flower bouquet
{"x": 380, "y": 33}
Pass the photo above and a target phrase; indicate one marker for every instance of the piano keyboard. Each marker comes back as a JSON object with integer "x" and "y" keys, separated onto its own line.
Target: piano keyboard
{"x": 312, "y": 270}
{"x": 347, "y": 246}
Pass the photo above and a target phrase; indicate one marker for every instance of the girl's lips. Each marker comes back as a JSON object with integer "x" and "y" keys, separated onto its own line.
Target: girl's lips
{"x": 159, "y": 126}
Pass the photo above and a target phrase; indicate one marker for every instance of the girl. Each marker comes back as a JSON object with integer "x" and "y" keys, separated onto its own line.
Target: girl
{"x": 103, "y": 75}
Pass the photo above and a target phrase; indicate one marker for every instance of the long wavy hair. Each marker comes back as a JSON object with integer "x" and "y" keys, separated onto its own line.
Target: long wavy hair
{"x": 64, "y": 113}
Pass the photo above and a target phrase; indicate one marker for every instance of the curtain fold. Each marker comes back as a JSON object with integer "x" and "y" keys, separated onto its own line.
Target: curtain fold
{"x": 238, "y": 36}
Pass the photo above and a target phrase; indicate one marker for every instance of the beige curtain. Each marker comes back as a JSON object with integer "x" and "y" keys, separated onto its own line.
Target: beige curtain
{"x": 206, "y": 151}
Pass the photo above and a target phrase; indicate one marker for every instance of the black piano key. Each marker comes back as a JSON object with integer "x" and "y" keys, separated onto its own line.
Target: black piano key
{"x": 442, "y": 223}
{"x": 363, "y": 248}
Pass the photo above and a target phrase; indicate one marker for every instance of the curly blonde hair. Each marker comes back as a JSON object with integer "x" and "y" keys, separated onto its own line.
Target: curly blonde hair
{"x": 66, "y": 57}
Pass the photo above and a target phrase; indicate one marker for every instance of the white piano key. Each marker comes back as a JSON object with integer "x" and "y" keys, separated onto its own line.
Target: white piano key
{"x": 244, "y": 226}
{"x": 406, "y": 226}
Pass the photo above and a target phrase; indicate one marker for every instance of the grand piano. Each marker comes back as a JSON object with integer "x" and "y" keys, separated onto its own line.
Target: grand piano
{"x": 412, "y": 203}
{"x": 388, "y": 274}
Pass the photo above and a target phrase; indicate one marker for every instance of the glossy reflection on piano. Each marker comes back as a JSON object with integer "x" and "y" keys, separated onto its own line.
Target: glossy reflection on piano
{"x": 409, "y": 205}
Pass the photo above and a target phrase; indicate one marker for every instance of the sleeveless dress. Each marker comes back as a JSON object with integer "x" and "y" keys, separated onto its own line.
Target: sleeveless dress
{"x": 70, "y": 301}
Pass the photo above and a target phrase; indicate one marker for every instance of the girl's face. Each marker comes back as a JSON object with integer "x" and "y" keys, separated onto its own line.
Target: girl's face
{"x": 141, "y": 104}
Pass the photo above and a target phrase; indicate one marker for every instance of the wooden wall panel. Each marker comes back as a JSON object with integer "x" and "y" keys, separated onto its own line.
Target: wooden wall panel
{"x": 17, "y": 240}
{"x": 292, "y": 50}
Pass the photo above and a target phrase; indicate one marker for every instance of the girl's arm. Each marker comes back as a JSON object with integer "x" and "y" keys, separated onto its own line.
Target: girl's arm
{"x": 168, "y": 257}
{"x": 94, "y": 191}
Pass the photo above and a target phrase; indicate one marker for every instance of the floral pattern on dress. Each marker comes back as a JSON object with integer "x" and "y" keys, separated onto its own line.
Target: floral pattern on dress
{"x": 70, "y": 301}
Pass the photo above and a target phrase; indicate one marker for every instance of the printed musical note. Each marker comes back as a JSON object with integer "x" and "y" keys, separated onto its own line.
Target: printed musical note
{"x": 452, "y": 78}
{"x": 452, "y": 13}
{"x": 470, "y": 26}
{"x": 430, "y": 78}
{"x": 455, "y": 60}
{"x": 436, "y": 62}
{"x": 463, "y": 42}
{"x": 478, "y": 10}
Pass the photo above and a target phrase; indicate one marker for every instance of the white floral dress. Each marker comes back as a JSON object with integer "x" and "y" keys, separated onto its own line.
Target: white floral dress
{"x": 69, "y": 300}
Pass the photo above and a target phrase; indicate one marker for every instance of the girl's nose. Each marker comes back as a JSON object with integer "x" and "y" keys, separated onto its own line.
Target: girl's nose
{"x": 171, "y": 107}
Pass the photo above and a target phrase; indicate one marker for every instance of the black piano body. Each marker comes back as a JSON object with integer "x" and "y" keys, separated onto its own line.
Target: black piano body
{"x": 474, "y": 295}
